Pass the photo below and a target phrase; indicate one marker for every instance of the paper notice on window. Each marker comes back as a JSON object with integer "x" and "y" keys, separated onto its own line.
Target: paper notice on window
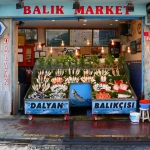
{"x": 20, "y": 50}
{"x": 20, "y": 57}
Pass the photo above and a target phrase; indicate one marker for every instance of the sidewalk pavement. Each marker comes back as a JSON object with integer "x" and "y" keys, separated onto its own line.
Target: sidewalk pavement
{"x": 55, "y": 128}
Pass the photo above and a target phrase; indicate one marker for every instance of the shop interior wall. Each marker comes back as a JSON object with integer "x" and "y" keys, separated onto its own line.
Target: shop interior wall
{"x": 134, "y": 36}
{"x": 134, "y": 60}
{"x": 125, "y": 40}
{"x": 86, "y": 50}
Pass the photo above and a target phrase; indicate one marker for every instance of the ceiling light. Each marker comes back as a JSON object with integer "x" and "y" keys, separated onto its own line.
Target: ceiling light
{"x": 130, "y": 7}
{"x": 62, "y": 43}
{"x": 76, "y": 5}
{"x": 80, "y": 18}
{"x": 128, "y": 50}
{"x": 116, "y": 20}
{"x": 51, "y": 51}
{"x": 20, "y": 4}
{"x": 84, "y": 24}
{"x": 39, "y": 45}
{"x": 20, "y": 23}
{"x": 76, "y": 52}
{"x": 53, "y": 20}
{"x": 88, "y": 42}
{"x": 102, "y": 50}
{"x": 112, "y": 43}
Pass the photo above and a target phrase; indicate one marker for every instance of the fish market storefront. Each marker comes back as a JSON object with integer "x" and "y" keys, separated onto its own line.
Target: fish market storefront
{"x": 72, "y": 86}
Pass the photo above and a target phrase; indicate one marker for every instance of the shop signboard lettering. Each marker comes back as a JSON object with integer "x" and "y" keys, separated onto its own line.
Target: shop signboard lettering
{"x": 146, "y": 34}
{"x": 98, "y": 10}
{"x": 46, "y": 107}
{"x": 113, "y": 107}
{"x": 6, "y": 59}
{"x": 102, "y": 10}
{"x": 148, "y": 38}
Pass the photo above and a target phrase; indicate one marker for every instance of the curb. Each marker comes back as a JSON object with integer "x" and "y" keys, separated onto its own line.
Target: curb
{"x": 75, "y": 139}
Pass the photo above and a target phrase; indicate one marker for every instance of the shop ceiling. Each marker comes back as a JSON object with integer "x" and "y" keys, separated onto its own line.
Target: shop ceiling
{"x": 73, "y": 24}
{"x": 76, "y": 22}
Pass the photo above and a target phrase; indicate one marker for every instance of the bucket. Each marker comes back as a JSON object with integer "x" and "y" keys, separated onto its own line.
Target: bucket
{"x": 144, "y": 106}
{"x": 134, "y": 117}
{"x": 144, "y": 103}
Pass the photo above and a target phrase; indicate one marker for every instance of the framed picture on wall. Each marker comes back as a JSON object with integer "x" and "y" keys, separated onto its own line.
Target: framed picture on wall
{"x": 80, "y": 37}
{"x": 43, "y": 54}
{"x": 133, "y": 47}
{"x": 36, "y": 54}
{"x": 139, "y": 45}
{"x": 102, "y": 37}
{"x": 56, "y": 36}
{"x": 30, "y": 34}
{"x": 20, "y": 57}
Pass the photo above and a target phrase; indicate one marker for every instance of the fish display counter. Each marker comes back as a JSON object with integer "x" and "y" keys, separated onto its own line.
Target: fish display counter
{"x": 55, "y": 91}
{"x": 113, "y": 94}
{"x": 106, "y": 90}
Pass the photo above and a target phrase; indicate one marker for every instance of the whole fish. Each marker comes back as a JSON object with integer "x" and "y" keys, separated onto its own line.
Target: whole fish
{"x": 77, "y": 96}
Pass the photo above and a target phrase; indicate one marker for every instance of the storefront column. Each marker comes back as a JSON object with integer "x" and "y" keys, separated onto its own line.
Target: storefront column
{"x": 7, "y": 75}
{"x": 147, "y": 64}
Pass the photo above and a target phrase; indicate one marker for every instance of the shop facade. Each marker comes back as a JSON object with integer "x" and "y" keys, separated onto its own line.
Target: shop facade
{"x": 9, "y": 40}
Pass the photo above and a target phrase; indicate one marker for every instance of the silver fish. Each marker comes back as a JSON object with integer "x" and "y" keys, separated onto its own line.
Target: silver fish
{"x": 77, "y": 96}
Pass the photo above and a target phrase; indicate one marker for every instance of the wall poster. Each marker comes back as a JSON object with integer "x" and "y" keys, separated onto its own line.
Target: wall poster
{"x": 80, "y": 37}
{"x": 133, "y": 47}
{"x": 55, "y": 37}
{"x": 80, "y": 94}
{"x": 31, "y": 35}
{"x": 102, "y": 37}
